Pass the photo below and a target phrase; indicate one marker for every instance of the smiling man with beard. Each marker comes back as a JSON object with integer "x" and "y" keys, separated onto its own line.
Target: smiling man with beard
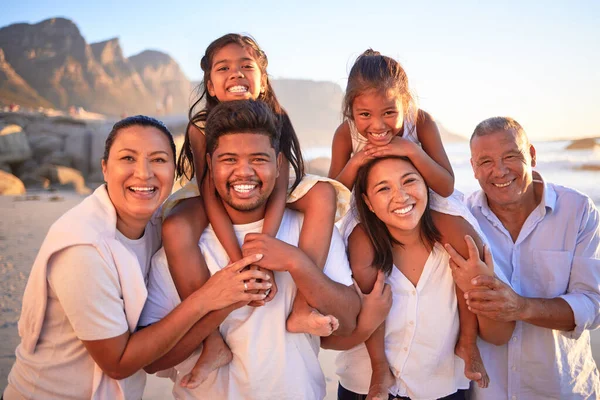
{"x": 546, "y": 239}
{"x": 269, "y": 362}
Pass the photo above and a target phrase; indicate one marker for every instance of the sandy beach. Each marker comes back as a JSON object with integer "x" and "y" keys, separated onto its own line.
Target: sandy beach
{"x": 24, "y": 222}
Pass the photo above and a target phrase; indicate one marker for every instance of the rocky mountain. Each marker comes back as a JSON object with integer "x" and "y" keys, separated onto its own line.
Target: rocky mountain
{"x": 14, "y": 89}
{"x": 314, "y": 108}
{"x": 122, "y": 73}
{"x": 54, "y": 60}
{"x": 163, "y": 78}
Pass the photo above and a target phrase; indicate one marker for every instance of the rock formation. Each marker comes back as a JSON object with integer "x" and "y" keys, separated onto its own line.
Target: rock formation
{"x": 164, "y": 79}
{"x": 14, "y": 89}
{"x": 10, "y": 184}
{"x": 583, "y": 144}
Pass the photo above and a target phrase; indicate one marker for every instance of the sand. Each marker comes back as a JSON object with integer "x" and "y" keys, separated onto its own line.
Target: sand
{"x": 23, "y": 226}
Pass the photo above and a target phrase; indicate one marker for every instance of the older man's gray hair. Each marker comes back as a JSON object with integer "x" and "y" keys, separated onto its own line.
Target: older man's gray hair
{"x": 498, "y": 124}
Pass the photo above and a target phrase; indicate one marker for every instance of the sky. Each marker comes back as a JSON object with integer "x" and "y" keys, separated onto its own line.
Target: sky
{"x": 538, "y": 62}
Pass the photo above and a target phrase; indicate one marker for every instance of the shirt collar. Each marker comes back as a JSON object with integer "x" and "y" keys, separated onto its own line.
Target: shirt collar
{"x": 549, "y": 194}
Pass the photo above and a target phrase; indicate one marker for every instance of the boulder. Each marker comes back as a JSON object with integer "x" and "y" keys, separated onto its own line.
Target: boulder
{"x": 44, "y": 145}
{"x": 9, "y": 118}
{"x": 24, "y": 168}
{"x": 14, "y": 146}
{"x": 78, "y": 148}
{"x": 10, "y": 184}
{"x": 59, "y": 158}
{"x": 583, "y": 144}
{"x": 5, "y": 167}
{"x": 61, "y": 177}
{"x": 97, "y": 150}
{"x": 589, "y": 167}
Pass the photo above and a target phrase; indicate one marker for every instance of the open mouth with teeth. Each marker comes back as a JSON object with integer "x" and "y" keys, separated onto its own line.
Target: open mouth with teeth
{"x": 503, "y": 185}
{"x": 143, "y": 191}
{"x": 238, "y": 89}
{"x": 404, "y": 210}
{"x": 377, "y": 137}
{"x": 244, "y": 189}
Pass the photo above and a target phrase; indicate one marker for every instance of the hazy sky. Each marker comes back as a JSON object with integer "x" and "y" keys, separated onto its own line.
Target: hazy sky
{"x": 467, "y": 60}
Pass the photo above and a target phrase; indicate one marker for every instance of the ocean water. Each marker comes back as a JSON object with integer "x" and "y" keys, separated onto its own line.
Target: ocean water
{"x": 554, "y": 163}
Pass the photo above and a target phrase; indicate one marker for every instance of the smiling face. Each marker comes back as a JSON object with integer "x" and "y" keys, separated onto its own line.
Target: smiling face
{"x": 378, "y": 116}
{"x": 235, "y": 75}
{"x": 244, "y": 169}
{"x": 397, "y": 194}
{"x": 502, "y": 162}
{"x": 139, "y": 174}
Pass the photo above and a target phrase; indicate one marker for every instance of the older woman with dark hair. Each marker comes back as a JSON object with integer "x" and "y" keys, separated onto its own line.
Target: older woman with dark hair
{"x": 87, "y": 287}
{"x": 422, "y": 327}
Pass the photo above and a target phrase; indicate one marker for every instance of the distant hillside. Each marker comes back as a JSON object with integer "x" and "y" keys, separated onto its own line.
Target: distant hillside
{"x": 60, "y": 67}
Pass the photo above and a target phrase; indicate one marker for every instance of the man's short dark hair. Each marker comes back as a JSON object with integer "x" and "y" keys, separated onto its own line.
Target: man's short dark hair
{"x": 241, "y": 116}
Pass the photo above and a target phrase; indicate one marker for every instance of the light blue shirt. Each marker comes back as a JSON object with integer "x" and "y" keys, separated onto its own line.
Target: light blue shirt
{"x": 557, "y": 254}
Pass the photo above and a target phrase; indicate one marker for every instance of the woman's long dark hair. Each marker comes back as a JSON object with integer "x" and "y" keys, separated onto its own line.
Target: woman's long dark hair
{"x": 378, "y": 233}
{"x": 290, "y": 146}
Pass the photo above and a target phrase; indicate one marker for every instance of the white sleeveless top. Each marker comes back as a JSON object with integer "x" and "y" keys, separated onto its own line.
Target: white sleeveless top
{"x": 420, "y": 333}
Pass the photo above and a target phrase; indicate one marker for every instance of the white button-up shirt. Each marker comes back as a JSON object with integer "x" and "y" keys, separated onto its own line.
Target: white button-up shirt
{"x": 420, "y": 334}
{"x": 557, "y": 254}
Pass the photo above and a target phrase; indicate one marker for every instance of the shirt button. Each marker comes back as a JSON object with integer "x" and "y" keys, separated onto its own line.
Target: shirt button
{"x": 514, "y": 338}
{"x": 514, "y": 398}
{"x": 413, "y": 292}
{"x": 406, "y": 349}
{"x": 411, "y": 322}
{"x": 513, "y": 368}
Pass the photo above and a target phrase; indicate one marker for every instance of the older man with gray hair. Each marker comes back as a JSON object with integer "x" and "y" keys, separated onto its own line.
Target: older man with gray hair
{"x": 546, "y": 240}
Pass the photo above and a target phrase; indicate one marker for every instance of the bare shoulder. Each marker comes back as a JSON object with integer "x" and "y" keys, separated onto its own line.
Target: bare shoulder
{"x": 342, "y": 133}
{"x": 341, "y": 149}
{"x": 425, "y": 120}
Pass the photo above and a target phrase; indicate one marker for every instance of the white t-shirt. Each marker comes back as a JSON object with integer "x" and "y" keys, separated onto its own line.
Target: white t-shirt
{"x": 420, "y": 334}
{"x": 85, "y": 302}
{"x": 268, "y": 361}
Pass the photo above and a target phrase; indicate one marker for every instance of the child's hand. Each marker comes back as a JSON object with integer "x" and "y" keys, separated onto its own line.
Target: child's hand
{"x": 277, "y": 255}
{"x": 375, "y": 305}
{"x": 398, "y": 146}
{"x": 360, "y": 158}
{"x": 463, "y": 271}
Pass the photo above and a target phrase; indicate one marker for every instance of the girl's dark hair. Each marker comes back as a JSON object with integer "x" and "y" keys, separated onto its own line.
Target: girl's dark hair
{"x": 378, "y": 233}
{"x": 137, "y": 120}
{"x": 290, "y": 146}
{"x": 241, "y": 116}
{"x": 372, "y": 71}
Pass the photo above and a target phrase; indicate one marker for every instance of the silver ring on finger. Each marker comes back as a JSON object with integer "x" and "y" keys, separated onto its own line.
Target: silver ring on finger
{"x": 245, "y": 285}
